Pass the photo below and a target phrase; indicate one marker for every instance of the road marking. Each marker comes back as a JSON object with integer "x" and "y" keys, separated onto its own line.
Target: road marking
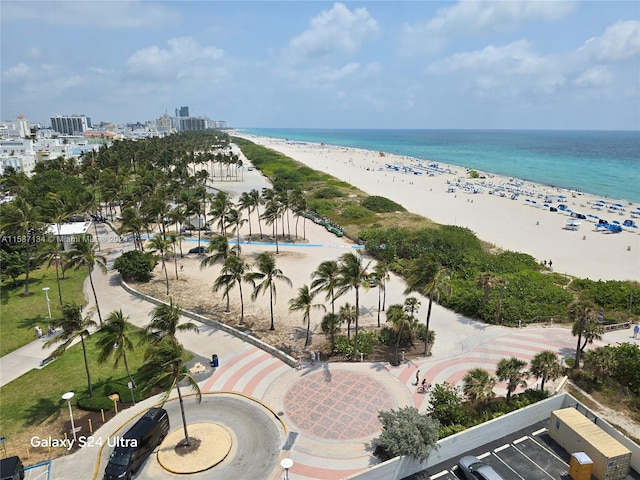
{"x": 440, "y": 474}
{"x": 503, "y": 447}
{"x": 538, "y": 432}
{"x": 484, "y": 455}
{"x": 521, "y": 439}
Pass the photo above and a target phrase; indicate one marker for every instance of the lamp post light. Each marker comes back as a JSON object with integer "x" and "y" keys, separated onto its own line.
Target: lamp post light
{"x": 68, "y": 396}
{"x": 286, "y": 463}
{"x": 46, "y": 293}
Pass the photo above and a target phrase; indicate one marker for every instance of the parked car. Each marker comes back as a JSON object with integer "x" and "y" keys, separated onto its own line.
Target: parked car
{"x": 11, "y": 469}
{"x": 137, "y": 444}
{"x": 475, "y": 469}
{"x": 198, "y": 250}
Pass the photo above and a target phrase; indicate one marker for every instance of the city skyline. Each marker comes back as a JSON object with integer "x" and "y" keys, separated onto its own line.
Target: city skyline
{"x": 515, "y": 65}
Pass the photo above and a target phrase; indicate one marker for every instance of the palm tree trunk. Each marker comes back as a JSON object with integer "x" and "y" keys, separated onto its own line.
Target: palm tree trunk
{"x": 576, "y": 364}
{"x": 241, "y": 303}
{"x": 175, "y": 260}
{"x": 379, "y": 299}
{"x": 166, "y": 272}
{"x": 86, "y": 365}
{"x": 306, "y": 342}
{"x": 272, "y": 327}
{"x": 426, "y": 340}
{"x": 187, "y": 440}
{"x": 275, "y": 230}
{"x": 384, "y": 294}
{"x": 26, "y": 267}
{"x": 58, "y": 282}
{"x": 228, "y": 307}
{"x": 259, "y": 223}
{"x": 95, "y": 296}
{"x": 355, "y": 334}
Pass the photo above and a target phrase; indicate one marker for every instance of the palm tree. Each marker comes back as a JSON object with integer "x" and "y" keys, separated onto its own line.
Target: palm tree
{"x": 22, "y": 218}
{"x": 272, "y": 212}
{"x": 236, "y": 221}
{"x": 510, "y": 370}
{"x": 601, "y": 362}
{"x": 166, "y": 362}
{"x": 255, "y": 200}
{"x": 115, "y": 338}
{"x": 266, "y": 275}
{"x": 220, "y": 208}
{"x": 330, "y": 326}
{"x": 219, "y": 250}
{"x": 235, "y": 269}
{"x": 161, "y": 246}
{"x": 411, "y": 305}
{"x": 327, "y": 279}
{"x": 172, "y": 238}
{"x": 165, "y": 322}
{"x": 73, "y": 327}
{"x": 347, "y": 314}
{"x": 580, "y": 313}
{"x": 52, "y": 253}
{"x": 304, "y": 303}
{"x": 593, "y": 330}
{"x": 478, "y": 385}
{"x": 84, "y": 252}
{"x": 246, "y": 203}
{"x": 427, "y": 277}
{"x": 545, "y": 365}
{"x": 381, "y": 274}
{"x": 396, "y": 314}
{"x": 353, "y": 274}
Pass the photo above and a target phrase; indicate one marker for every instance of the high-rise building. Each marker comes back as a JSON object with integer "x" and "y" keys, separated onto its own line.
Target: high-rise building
{"x": 70, "y": 124}
{"x": 192, "y": 123}
{"x": 182, "y": 112}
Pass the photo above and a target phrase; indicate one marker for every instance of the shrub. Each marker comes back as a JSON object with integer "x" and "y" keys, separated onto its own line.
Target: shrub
{"x": 327, "y": 192}
{"x": 135, "y": 265}
{"x": 356, "y": 212}
{"x": 367, "y": 342}
{"x": 407, "y": 432}
{"x": 381, "y": 204}
{"x": 322, "y": 206}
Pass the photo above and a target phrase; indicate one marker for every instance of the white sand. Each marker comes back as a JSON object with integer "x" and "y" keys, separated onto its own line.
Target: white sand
{"x": 514, "y": 225}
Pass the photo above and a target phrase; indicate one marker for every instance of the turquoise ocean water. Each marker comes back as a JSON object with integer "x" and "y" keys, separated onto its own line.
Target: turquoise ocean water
{"x": 604, "y": 163}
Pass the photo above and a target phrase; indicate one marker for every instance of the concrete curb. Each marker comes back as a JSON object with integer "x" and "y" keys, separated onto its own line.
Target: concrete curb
{"x": 219, "y": 325}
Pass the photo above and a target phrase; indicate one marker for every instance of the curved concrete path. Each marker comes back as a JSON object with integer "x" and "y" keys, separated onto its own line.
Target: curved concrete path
{"x": 330, "y": 410}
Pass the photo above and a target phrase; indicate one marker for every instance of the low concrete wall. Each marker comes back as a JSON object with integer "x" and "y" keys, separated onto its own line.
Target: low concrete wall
{"x": 453, "y": 446}
{"x": 219, "y": 325}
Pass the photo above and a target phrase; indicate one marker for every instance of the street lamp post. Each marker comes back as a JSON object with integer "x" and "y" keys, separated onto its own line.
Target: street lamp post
{"x": 68, "y": 396}
{"x": 286, "y": 463}
{"x": 46, "y": 293}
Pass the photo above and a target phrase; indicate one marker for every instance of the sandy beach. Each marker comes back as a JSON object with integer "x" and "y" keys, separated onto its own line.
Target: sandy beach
{"x": 447, "y": 196}
{"x": 510, "y": 224}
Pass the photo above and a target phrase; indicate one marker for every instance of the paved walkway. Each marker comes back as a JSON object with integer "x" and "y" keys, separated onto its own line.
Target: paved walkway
{"x": 328, "y": 411}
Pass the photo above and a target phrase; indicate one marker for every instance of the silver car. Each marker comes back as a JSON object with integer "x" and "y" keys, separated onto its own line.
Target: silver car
{"x": 475, "y": 469}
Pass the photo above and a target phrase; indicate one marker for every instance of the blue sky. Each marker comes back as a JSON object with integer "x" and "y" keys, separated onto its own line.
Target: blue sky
{"x": 381, "y": 64}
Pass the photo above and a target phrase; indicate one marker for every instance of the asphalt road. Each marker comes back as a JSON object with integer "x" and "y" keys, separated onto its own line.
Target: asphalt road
{"x": 256, "y": 434}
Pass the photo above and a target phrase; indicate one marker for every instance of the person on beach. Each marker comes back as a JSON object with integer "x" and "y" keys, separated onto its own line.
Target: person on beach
{"x": 636, "y": 330}
{"x": 313, "y": 357}
{"x": 417, "y": 377}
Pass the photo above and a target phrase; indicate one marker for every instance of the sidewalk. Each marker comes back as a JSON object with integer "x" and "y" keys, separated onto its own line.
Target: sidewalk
{"x": 330, "y": 410}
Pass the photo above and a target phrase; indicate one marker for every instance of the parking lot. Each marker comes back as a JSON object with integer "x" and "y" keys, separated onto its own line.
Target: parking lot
{"x": 529, "y": 454}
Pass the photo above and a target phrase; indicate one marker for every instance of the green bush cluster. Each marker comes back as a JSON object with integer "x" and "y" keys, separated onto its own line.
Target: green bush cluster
{"x": 381, "y": 204}
{"x": 355, "y": 212}
{"x": 327, "y": 192}
{"x": 367, "y": 342}
{"x": 135, "y": 265}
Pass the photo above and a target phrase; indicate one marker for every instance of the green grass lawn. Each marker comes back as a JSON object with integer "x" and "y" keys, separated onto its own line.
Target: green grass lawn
{"x": 20, "y": 315}
{"x": 35, "y": 399}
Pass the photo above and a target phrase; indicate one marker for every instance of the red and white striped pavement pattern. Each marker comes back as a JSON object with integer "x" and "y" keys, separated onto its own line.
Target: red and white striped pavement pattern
{"x": 333, "y": 407}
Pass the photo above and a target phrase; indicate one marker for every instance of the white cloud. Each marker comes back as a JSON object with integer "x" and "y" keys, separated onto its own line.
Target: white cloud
{"x": 17, "y": 72}
{"x": 183, "y": 60}
{"x": 335, "y": 31}
{"x": 594, "y": 77}
{"x": 619, "y": 41}
{"x": 512, "y": 69}
{"x": 476, "y": 17}
{"x": 94, "y": 14}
